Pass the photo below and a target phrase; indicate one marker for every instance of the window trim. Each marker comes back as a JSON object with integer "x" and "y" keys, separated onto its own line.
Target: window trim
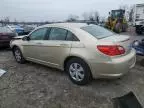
{"x": 66, "y": 35}
{"x": 74, "y": 36}
{"x": 47, "y": 33}
{"x": 37, "y": 30}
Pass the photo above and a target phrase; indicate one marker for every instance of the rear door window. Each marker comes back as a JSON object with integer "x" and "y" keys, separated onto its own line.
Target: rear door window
{"x": 71, "y": 37}
{"x": 57, "y": 34}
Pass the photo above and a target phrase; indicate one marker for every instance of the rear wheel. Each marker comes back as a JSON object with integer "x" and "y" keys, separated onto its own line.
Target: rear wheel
{"x": 18, "y": 55}
{"x": 78, "y": 71}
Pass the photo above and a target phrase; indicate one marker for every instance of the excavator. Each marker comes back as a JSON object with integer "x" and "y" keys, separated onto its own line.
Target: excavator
{"x": 117, "y": 21}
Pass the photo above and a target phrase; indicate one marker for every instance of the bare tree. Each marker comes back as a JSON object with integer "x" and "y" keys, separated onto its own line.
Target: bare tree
{"x": 102, "y": 19}
{"x": 127, "y": 10}
{"x": 85, "y": 16}
{"x": 131, "y": 11}
{"x": 2, "y": 22}
{"x": 72, "y": 18}
{"x": 5, "y": 21}
{"x": 15, "y": 21}
{"x": 97, "y": 17}
{"x": 91, "y": 16}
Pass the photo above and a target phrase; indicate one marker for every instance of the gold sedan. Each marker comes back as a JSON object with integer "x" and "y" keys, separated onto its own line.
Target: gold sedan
{"x": 83, "y": 51}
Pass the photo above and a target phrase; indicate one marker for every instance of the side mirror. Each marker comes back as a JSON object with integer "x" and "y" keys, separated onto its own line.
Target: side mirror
{"x": 26, "y": 38}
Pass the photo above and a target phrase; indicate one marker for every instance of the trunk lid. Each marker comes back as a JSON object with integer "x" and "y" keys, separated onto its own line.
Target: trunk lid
{"x": 122, "y": 40}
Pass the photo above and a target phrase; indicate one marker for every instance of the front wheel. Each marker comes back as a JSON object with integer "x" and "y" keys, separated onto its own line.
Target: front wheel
{"x": 18, "y": 55}
{"x": 78, "y": 71}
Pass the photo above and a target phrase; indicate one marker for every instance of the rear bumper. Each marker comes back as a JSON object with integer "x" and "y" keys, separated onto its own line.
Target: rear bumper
{"x": 115, "y": 68}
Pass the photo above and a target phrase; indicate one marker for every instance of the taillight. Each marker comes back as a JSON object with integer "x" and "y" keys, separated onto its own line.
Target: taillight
{"x": 111, "y": 50}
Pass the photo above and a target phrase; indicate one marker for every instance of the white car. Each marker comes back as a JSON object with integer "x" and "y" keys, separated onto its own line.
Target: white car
{"x": 83, "y": 51}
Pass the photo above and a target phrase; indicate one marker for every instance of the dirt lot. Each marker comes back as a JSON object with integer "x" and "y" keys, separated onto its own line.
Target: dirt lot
{"x": 35, "y": 86}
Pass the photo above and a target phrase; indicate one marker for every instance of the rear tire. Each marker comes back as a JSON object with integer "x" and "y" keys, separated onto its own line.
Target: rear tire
{"x": 138, "y": 30}
{"x": 118, "y": 28}
{"x": 124, "y": 27}
{"x": 142, "y": 62}
{"x": 78, "y": 71}
{"x": 18, "y": 55}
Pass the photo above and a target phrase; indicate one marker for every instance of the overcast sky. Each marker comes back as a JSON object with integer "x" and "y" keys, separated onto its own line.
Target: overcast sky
{"x": 56, "y": 10}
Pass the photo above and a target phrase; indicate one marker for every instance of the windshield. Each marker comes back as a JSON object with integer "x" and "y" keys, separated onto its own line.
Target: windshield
{"x": 117, "y": 13}
{"x": 97, "y": 31}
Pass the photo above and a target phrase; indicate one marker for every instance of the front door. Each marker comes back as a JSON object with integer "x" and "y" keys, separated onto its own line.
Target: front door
{"x": 31, "y": 48}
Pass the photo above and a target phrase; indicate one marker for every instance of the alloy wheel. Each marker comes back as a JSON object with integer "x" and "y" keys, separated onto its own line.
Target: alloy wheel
{"x": 17, "y": 55}
{"x": 76, "y": 72}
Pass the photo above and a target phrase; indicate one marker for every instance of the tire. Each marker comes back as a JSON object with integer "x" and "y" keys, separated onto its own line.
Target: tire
{"x": 80, "y": 75}
{"x": 142, "y": 62}
{"x": 18, "y": 55}
{"x": 138, "y": 31}
{"x": 118, "y": 28}
{"x": 124, "y": 27}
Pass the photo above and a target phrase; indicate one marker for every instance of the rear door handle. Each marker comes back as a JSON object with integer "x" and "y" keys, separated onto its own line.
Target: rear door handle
{"x": 39, "y": 43}
{"x": 58, "y": 45}
{"x": 63, "y": 44}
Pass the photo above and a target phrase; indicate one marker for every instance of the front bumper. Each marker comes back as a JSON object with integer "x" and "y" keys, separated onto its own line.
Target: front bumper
{"x": 115, "y": 68}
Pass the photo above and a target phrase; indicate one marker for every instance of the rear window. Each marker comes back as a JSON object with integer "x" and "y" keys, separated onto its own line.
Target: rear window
{"x": 5, "y": 30}
{"x": 97, "y": 31}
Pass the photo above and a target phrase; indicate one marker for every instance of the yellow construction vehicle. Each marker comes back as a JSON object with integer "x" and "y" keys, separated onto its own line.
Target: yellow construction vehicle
{"x": 117, "y": 21}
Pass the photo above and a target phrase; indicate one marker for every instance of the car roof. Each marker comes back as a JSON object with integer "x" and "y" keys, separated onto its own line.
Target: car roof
{"x": 67, "y": 25}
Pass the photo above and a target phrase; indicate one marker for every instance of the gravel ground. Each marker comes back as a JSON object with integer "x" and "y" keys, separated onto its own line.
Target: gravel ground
{"x": 32, "y": 85}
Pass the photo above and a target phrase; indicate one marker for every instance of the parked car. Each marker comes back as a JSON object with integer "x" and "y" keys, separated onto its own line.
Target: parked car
{"x": 83, "y": 51}
{"x": 19, "y": 30}
{"x": 6, "y": 36}
{"x": 139, "y": 47}
{"x": 27, "y": 29}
